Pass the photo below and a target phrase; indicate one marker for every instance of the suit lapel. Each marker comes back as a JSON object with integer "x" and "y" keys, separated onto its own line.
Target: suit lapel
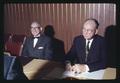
{"x": 92, "y": 48}
{"x": 84, "y": 49}
{"x": 31, "y": 42}
{"x": 93, "y": 45}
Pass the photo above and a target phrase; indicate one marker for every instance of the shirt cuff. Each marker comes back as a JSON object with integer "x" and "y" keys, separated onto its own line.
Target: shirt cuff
{"x": 87, "y": 68}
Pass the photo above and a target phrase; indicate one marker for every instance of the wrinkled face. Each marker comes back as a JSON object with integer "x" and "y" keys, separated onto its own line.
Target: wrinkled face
{"x": 35, "y": 31}
{"x": 89, "y": 29}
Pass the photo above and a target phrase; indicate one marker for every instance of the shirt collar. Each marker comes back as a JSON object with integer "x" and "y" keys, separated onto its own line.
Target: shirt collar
{"x": 89, "y": 40}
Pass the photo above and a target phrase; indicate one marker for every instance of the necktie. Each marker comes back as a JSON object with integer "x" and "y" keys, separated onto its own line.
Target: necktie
{"x": 87, "y": 46}
{"x": 87, "y": 50}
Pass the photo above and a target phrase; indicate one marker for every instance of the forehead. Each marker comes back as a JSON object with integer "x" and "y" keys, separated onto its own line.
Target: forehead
{"x": 32, "y": 28}
{"x": 89, "y": 24}
{"x": 35, "y": 24}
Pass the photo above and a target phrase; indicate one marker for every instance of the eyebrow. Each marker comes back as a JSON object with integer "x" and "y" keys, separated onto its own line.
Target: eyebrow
{"x": 34, "y": 27}
{"x": 88, "y": 29}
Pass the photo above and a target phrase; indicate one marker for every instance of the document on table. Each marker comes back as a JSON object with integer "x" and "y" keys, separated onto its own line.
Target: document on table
{"x": 88, "y": 75}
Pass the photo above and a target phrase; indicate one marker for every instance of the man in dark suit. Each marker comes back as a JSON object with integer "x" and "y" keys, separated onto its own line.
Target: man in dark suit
{"x": 39, "y": 45}
{"x": 88, "y": 52}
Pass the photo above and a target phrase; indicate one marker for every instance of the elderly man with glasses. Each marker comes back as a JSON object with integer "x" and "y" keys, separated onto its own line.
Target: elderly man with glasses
{"x": 38, "y": 45}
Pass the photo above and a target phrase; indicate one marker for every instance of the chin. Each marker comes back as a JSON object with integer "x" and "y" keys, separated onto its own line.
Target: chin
{"x": 87, "y": 38}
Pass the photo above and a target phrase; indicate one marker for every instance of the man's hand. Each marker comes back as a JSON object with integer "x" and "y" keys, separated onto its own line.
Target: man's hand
{"x": 68, "y": 67}
{"x": 78, "y": 68}
{"x": 82, "y": 67}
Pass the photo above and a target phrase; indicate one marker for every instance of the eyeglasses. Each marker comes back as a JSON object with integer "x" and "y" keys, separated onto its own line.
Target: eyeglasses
{"x": 35, "y": 27}
{"x": 88, "y": 30}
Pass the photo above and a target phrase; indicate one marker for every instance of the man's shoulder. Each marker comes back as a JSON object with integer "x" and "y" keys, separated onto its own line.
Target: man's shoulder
{"x": 28, "y": 38}
{"x": 99, "y": 37}
{"x": 79, "y": 37}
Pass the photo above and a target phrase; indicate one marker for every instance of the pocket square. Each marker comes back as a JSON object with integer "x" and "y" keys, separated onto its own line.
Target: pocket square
{"x": 40, "y": 47}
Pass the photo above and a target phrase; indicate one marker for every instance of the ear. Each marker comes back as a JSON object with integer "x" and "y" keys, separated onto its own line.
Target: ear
{"x": 96, "y": 31}
{"x": 41, "y": 28}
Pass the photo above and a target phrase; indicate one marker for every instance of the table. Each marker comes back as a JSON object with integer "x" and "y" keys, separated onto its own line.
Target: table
{"x": 104, "y": 74}
{"x": 39, "y": 69}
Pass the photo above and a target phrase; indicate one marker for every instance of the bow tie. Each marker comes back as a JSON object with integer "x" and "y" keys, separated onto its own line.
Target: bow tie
{"x": 35, "y": 37}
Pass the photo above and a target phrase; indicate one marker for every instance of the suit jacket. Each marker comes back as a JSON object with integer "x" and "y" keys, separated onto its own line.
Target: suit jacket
{"x": 96, "y": 57}
{"x": 42, "y": 49}
{"x": 13, "y": 69}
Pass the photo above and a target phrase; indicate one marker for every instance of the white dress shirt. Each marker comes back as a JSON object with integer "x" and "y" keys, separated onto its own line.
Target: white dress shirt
{"x": 89, "y": 43}
{"x": 35, "y": 40}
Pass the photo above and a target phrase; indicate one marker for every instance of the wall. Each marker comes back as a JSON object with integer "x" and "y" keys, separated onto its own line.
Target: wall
{"x": 66, "y": 18}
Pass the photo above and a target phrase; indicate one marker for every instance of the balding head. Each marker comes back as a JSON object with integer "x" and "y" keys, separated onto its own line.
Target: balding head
{"x": 36, "y": 29}
{"x": 90, "y": 27}
{"x": 35, "y": 24}
{"x": 92, "y": 22}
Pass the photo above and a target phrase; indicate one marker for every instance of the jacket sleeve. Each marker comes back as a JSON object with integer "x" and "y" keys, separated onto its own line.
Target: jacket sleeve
{"x": 70, "y": 56}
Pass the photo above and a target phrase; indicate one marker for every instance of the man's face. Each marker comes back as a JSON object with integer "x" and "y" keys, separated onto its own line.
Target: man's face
{"x": 35, "y": 31}
{"x": 89, "y": 29}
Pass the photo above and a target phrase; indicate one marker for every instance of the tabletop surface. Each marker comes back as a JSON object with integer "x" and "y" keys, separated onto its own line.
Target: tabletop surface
{"x": 38, "y": 69}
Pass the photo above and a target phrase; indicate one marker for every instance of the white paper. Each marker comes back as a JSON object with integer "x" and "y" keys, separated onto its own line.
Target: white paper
{"x": 88, "y": 75}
